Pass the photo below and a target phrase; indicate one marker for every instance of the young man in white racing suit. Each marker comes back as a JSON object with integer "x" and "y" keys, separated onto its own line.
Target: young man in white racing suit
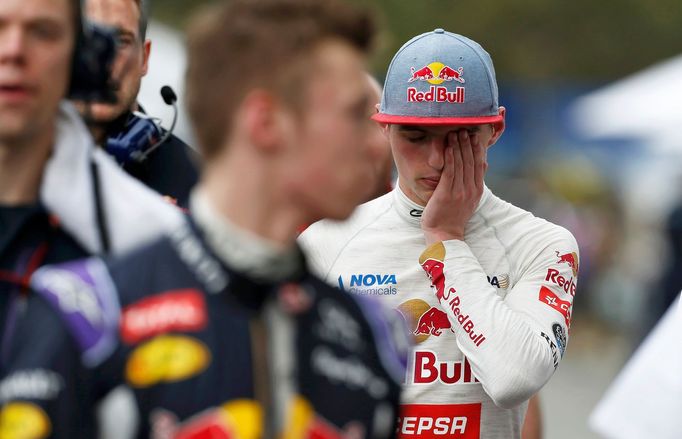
{"x": 486, "y": 287}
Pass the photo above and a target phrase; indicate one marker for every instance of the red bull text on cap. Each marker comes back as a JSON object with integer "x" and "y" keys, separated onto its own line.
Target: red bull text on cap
{"x": 440, "y": 78}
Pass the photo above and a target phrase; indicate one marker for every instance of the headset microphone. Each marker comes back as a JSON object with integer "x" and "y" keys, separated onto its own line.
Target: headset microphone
{"x": 142, "y": 134}
{"x": 170, "y": 98}
{"x": 168, "y": 95}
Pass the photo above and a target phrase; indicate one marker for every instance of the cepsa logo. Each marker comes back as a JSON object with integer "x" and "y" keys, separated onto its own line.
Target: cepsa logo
{"x": 447, "y": 421}
{"x": 180, "y": 310}
{"x": 436, "y": 73}
{"x": 166, "y": 358}
{"x": 23, "y": 420}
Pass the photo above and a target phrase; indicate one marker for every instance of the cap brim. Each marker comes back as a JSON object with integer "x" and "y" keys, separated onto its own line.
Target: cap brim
{"x": 417, "y": 120}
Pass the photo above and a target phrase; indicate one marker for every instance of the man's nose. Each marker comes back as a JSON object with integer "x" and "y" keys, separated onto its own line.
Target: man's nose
{"x": 12, "y": 45}
{"x": 436, "y": 149}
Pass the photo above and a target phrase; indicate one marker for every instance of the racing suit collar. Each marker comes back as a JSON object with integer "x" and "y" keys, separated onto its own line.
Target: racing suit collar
{"x": 411, "y": 212}
{"x": 241, "y": 250}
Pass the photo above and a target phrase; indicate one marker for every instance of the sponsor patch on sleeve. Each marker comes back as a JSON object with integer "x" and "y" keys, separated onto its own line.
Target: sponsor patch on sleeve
{"x": 23, "y": 420}
{"x": 40, "y": 384}
{"x": 84, "y": 296}
{"x": 560, "y": 336}
{"x": 166, "y": 358}
{"x": 552, "y": 300}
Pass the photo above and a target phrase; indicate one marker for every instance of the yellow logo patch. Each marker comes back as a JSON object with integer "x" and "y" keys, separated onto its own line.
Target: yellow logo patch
{"x": 245, "y": 417}
{"x": 20, "y": 420}
{"x": 166, "y": 358}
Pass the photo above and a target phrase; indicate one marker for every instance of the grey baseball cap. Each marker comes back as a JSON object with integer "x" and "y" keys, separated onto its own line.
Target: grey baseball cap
{"x": 440, "y": 78}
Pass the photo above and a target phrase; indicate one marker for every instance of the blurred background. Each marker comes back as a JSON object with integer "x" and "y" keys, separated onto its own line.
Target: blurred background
{"x": 593, "y": 92}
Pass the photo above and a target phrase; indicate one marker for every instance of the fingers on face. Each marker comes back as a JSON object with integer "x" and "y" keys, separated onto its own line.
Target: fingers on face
{"x": 455, "y": 148}
{"x": 466, "y": 142}
{"x": 480, "y": 165}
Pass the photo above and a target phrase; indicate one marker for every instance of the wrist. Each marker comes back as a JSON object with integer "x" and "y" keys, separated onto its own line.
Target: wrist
{"x": 434, "y": 236}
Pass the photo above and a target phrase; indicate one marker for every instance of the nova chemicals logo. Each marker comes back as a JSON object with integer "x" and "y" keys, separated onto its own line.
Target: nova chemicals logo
{"x": 369, "y": 284}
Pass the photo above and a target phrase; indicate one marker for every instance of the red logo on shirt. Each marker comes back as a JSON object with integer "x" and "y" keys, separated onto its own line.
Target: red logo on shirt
{"x": 427, "y": 370}
{"x": 569, "y": 258}
{"x": 446, "y": 421}
{"x": 432, "y": 322}
{"x": 179, "y": 310}
{"x": 568, "y": 285}
{"x": 553, "y": 301}
{"x": 434, "y": 269}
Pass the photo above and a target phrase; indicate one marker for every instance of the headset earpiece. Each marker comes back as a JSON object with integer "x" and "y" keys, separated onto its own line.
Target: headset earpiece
{"x": 140, "y": 135}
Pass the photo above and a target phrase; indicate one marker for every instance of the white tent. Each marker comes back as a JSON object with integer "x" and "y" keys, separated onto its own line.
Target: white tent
{"x": 166, "y": 67}
{"x": 645, "y": 106}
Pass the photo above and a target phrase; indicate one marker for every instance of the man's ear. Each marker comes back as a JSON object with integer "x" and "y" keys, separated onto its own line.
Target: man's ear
{"x": 260, "y": 112}
{"x": 382, "y": 126}
{"x": 498, "y": 127}
{"x": 146, "y": 50}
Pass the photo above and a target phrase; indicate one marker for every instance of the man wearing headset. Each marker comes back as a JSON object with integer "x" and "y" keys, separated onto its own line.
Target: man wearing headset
{"x": 60, "y": 197}
{"x": 166, "y": 165}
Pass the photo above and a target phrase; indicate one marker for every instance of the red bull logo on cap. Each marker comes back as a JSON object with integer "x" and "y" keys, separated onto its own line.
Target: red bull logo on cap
{"x": 436, "y": 73}
{"x": 569, "y": 258}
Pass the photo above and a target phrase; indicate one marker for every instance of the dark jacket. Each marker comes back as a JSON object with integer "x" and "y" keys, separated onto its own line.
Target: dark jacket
{"x": 196, "y": 340}
{"x": 29, "y": 239}
{"x": 170, "y": 170}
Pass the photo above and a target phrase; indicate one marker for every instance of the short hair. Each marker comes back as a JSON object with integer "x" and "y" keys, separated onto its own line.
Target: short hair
{"x": 143, "y": 6}
{"x": 238, "y": 45}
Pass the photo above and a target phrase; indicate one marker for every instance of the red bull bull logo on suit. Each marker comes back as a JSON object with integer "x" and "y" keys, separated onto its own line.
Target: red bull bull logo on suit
{"x": 433, "y": 322}
{"x": 569, "y": 258}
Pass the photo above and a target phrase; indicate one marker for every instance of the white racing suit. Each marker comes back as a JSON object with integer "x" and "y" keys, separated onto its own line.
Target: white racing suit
{"x": 491, "y": 326}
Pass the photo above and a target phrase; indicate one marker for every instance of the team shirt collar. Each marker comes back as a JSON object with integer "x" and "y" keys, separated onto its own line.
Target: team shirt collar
{"x": 239, "y": 249}
{"x": 411, "y": 212}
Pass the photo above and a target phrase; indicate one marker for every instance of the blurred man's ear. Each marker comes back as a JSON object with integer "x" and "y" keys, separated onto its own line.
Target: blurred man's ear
{"x": 261, "y": 121}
